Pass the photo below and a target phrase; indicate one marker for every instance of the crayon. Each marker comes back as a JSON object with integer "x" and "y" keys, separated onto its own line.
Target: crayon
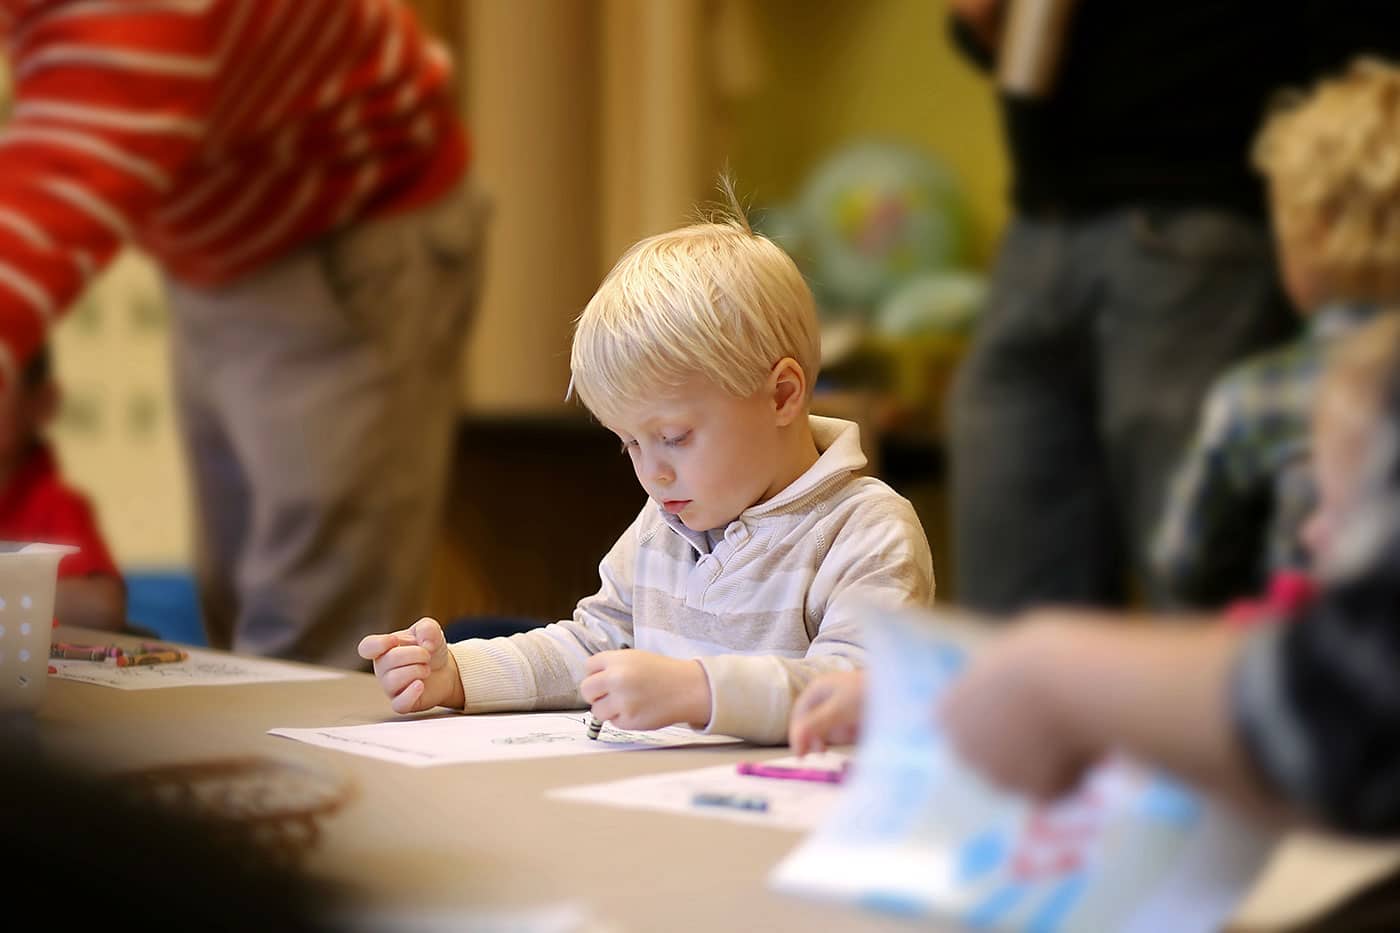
{"x": 736, "y": 801}
{"x": 819, "y": 775}
{"x": 168, "y": 656}
{"x": 70, "y": 652}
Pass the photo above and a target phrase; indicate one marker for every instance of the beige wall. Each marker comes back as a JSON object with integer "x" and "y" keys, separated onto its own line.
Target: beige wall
{"x": 596, "y": 123}
{"x": 532, "y": 95}
{"x": 590, "y": 124}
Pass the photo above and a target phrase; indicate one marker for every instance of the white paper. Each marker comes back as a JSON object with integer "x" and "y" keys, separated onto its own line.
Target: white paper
{"x": 917, "y": 832}
{"x": 800, "y": 805}
{"x": 200, "y": 669}
{"x": 455, "y": 739}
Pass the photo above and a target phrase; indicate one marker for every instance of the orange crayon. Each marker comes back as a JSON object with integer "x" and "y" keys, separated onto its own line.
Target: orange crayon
{"x": 166, "y": 656}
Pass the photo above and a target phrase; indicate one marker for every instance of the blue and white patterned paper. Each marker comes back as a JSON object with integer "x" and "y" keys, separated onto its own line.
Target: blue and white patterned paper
{"x": 919, "y": 833}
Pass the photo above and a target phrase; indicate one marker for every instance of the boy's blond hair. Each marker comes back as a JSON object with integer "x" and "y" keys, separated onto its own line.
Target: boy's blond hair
{"x": 712, "y": 299}
{"x": 1333, "y": 160}
{"x": 1358, "y": 372}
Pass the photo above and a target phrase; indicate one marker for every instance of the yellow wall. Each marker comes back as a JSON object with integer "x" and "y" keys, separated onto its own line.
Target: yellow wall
{"x": 838, "y": 70}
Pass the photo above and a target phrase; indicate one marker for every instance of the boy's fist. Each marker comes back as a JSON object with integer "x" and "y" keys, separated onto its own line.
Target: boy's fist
{"x": 640, "y": 690}
{"x": 415, "y": 668}
{"x": 828, "y": 712}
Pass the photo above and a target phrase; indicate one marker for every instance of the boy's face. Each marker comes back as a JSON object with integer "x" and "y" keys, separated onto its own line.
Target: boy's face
{"x": 703, "y": 454}
{"x": 1339, "y": 450}
{"x": 1301, "y": 280}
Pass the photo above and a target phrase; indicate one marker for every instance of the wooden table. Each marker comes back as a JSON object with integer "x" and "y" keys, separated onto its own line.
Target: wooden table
{"x": 484, "y": 836}
{"x": 472, "y": 836}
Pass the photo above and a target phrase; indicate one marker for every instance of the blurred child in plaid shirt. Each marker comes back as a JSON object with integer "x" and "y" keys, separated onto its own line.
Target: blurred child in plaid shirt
{"x": 1231, "y": 525}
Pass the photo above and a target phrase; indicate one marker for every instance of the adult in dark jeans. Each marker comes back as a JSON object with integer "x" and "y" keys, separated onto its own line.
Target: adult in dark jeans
{"x": 1136, "y": 267}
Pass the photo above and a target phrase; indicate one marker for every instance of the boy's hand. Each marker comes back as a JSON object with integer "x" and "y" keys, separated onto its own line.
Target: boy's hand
{"x": 639, "y": 690}
{"x": 415, "y": 668}
{"x": 1003, "y": 717}
{"x": 827, "y": 712}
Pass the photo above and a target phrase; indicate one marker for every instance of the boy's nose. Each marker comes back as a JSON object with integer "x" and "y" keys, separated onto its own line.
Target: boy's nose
{"x": 662, "y": 472}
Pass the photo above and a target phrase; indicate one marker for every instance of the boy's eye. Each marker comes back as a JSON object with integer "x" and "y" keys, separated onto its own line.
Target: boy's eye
{"x": 677, "y": 440}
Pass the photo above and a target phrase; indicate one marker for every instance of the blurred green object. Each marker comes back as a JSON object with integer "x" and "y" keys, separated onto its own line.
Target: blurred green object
{"x": 869, "y": 219}
{"x": 933, "y": 303}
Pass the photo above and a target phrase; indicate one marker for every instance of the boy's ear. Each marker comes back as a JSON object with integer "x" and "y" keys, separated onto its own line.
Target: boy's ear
{"x": 789, "y": 390}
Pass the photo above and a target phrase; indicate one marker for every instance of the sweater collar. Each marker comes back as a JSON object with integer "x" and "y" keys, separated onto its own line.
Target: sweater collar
{"x": 839, "y": 454}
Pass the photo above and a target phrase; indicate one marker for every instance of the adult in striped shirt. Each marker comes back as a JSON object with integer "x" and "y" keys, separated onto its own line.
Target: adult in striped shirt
{"x": 298, "y": 170}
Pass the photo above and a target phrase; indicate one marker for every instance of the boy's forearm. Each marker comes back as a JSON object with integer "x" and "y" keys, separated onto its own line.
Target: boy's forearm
{"x": 752, "y": 695}
{"x": 1159, "y": 692}
{"x": 457, "y": 698}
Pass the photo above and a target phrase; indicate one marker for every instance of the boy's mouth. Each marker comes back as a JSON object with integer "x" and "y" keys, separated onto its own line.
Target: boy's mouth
{"x": 674, "y": 506}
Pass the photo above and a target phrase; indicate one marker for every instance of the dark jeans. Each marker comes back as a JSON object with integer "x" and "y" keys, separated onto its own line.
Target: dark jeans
{"x": 1082, "y": 388}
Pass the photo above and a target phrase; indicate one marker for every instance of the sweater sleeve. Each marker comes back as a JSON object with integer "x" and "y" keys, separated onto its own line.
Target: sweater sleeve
{"x": 541, "y": 669}
{"x": 107, "y": 109}
{"x": 878, "y": 558}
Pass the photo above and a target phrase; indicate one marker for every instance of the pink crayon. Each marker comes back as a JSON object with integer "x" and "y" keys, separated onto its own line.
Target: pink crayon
{"x": 819, "y": 775}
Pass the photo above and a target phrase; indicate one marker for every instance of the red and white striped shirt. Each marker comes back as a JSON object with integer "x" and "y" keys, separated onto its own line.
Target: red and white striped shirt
{"x": 217, "y": 135}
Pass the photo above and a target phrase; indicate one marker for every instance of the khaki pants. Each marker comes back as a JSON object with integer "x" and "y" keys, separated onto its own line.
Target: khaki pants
{"x": 318, "y": 399}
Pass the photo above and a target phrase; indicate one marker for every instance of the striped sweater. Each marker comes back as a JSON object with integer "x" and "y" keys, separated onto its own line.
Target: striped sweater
{"x": 766, "y": 603}
{"x": 217, "y": 135}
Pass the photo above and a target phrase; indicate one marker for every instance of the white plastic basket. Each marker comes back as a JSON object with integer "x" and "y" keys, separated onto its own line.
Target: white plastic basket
{"x": 28, "y": 578}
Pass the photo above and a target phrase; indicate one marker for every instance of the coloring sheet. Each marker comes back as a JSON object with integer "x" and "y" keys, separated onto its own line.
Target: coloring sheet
{"x": 918, "y": 833}
{"x": 200, "y": 669}
{"x": 787, "y": 804}
{"x": 455, "y": 739}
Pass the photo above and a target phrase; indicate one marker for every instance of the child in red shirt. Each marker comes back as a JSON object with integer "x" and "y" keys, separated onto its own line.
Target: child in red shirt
{"x": 36, "y": 505}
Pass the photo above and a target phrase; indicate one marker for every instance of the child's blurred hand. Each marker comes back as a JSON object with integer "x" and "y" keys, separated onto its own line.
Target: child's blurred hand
{"x": 1003, "y": 717}
{"x": 640, "y": 690}
{"x": 415, "y": 668}
{"x": 827, "y": 712}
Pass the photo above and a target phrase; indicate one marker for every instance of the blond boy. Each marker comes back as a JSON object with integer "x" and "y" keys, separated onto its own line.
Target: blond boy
{"x": 745, "y": 574}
